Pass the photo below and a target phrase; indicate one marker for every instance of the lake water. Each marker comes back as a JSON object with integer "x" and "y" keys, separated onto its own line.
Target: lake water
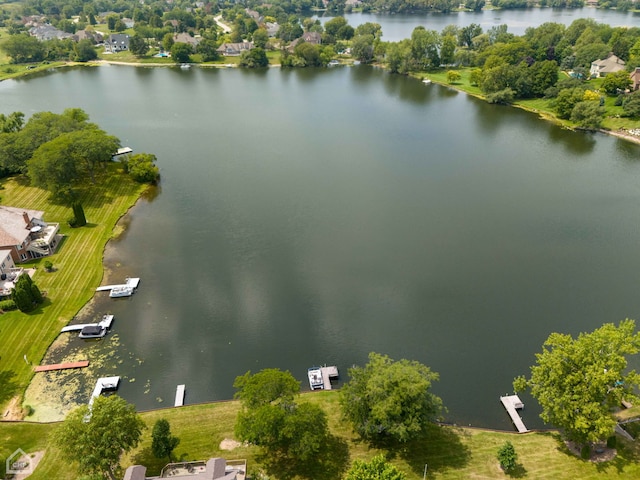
{"x": 399, "y": 26}
{"x": 313, "y": 216}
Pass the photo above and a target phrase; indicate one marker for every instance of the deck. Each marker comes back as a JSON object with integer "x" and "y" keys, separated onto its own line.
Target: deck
{"x": 106, "y": 322}
{"x": 327, "y": 374}
{"x": 61, "y": 366}
{"x": 179, "y": 396}
{"x": 105, "y": 383}
{"x": 130, "y": 283}
{"x": 512, "y": 403}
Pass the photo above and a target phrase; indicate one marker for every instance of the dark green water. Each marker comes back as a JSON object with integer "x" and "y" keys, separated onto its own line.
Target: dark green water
{"x": 310, "y": 217}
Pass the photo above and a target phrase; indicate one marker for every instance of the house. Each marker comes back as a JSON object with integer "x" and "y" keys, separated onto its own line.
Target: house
{"x": 186, "y": 38}
{"x": 6, "y": 262}
{"x": 26, "y": 235}
{"x": 611, "y": 64}
{"x": 48, "y": 32}
{"x": 308, "y": 37}
{"x": 255, "y": 15}
{"x": 175, "y": 24}
{"x": 212, "y": 469}
{"x": 272, "y": 28}
{"x": 116, "y": 42}
{"x": 234, "y": 49}
{"x": 95, "y": 37}
{"x": 635, "y": 78}
{"x": 128, "y": 22}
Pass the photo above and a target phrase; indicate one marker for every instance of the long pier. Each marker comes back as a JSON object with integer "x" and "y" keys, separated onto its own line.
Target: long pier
{"x": 512, "y": 403}
{"x": 61, "y": 366}
{"x": 179, "y": 396}
{"x": 131, "y": 282}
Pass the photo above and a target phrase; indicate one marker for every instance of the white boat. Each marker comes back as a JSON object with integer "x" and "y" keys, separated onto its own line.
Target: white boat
{"x": 121, "y": 291}
{"x": 315, "y": 378}
{"x": 426, "y": 81}
{"x": 185, "y": 66}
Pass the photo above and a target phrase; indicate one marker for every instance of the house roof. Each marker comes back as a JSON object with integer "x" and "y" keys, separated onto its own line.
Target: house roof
{"x": 118, "y": 38}
{"x": 184, "y": 37}
{"x": 13, "y": 227}
{"x": 235, "y": 47}
{"x": 609, "y": 65}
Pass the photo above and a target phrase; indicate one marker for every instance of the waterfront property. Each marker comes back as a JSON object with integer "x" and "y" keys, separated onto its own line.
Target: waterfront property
{"x": 26, "y": 235}
{"x": 116, "y": 42}
{"x": 122, "y": 290}
{"x": 320, "y": 377}
{"x": 611, "y": 64}
{"x": 212, "y": 469}
{"x": 9, "y": 277}
{"x": 91, "y": 330}
{"x": 234, "y": 49}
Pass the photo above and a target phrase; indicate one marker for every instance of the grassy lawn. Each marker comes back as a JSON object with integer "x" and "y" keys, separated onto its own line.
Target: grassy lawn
{"x": 449, "y": 452}
{"x": 78, "y": 270}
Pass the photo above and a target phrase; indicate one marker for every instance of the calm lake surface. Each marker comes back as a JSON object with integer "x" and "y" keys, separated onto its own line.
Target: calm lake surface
{"x": 313, "y": 216}
{"x": 399, "y": 26}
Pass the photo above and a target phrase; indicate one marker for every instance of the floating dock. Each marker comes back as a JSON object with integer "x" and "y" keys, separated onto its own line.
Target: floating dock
{"x": 122, "y": 290}
{"x": 512, "y": 404}
{"x": 179, "y": 396}
{"x": 106, "y": 322}
{"x": 122, "y": 151}
{"x": 105, "y": 383}
{"x": 327, "y": 374}
{"x": 61, "y": 366}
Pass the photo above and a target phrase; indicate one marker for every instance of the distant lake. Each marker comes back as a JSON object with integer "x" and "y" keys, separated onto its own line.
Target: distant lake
{"x": 399, "y": 26}
{"x": 313, "y": 216}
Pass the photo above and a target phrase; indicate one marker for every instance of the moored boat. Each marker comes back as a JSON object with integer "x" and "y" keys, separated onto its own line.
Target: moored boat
{"x": 315, "y": 378}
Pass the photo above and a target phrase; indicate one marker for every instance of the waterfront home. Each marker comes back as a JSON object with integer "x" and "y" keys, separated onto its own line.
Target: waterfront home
{"x": 234, "y": 49}
{"x": 48, "y": 32}
{"x": 602, "y": 67}
{"x": 116, "y": 42}
{"x": 26, "y": 235}
{"x": 635, "y": 79}
{"x": 184, "y": 37}
{"x": 308, "y": 37}
{"x": 212, "y": 469}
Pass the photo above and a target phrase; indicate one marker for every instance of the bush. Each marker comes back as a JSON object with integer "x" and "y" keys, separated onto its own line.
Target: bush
{"x": 8, "y": 305}
{"x": 585, "y": 452}
{"x": 507, "y": 457}
{"x": 502, "y": 97}
{"x": 48, "y": 266}
{"x": 73, "y": 223}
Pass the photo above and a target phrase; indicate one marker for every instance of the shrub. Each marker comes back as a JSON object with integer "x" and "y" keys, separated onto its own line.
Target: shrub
{"x": 507, "y": 457}
{"x": 503, "y": 97}
{"x": 8, "y": 305}
{"x": 585, "y": 452}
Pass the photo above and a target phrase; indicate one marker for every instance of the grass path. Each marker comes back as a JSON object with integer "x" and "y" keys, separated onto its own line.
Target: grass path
{"x": 78, "y": 271}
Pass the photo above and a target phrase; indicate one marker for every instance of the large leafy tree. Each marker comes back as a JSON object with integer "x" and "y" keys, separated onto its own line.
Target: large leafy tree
{"x": 578, "y": 382}
{"x": 376, "y": 469}
{"x": 23, "y": 48}
{"x": 390, "y": 400}
{"x": 95, "y": 437}
{"x": 26, "y": 294}
{"x": 271, "y": 419}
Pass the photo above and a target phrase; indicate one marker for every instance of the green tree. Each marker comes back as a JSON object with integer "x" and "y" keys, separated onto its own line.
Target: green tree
{"x": 23, "y": 48}
{"x": 588, "y": 114}
{"x": 167, "y": 42}
{"x": 141, "y": 167}
{"x": 507, "y": 457}
{"x": 334, "y": 25}
{"x": 376, "y": 469}
{"x": 254, "y": 58}
{"x": 271, "y": 419}
{"x": 578, "y": 382}
{"x": 616, "y": 82}
{"x": 96, "y": 437}
{"x": 448, "y": 49}
{"x": 26, "y": 293}
{"x": 389, "y": 399}
{"x": 162, "y": 442}
{"x": 567, "y": 99}
{"x": 180, "y": 52}
{"x": 453, "y": 76}
{"x": 138, "y": 45}
{"x": 260, "y": 38}
{"x": 84, "y": 51}
{"x": 362, "y": 48}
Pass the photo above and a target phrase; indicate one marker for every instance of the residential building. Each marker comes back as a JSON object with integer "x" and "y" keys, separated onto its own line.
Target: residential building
{"x": 308, "y": 37}
{"x": 186, "y": 38}
{"x": 272, "y": 28}
{"x": 602, "y": 67}
{"x": 26, "y": 234}
{"x": 48, "y": 32}
{"x": 234, "y": 49}
{"x": 116, "y": 42}
{"x": 212, "y": 469}
{"x": 635, "y": 78}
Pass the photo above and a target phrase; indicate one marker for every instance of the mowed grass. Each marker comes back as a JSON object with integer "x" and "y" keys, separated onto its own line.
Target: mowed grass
{"x": 450, "y": 452}
{"x": 78, "y": 270}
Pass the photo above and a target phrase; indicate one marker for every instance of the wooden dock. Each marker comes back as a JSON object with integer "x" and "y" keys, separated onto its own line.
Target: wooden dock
{"x": 179, "y": 396}
{"x": 512, "y": 403}
{"x": 105, "y": 383}
{"x": 61, "y": 366}
{"x": 106, "y": 322}
{"x": 327, "y": 374}
{"x": 130, "y": 282}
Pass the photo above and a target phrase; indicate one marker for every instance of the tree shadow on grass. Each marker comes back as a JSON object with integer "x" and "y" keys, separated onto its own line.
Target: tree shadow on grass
{"x": 518, "y": 471}
{"x": 330, "y": 463}
{"x": 440, "y": 447}
{"x": 8, "y": 386}
{"x": 148, "y": 459}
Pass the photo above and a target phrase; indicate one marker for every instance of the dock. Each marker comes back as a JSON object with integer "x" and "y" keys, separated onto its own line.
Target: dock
{"x": 105, "y": 383}
{"x": 122, "y": 151}
{"x": 327, "y": 374}
{"x": 512, "y": 403}
{"x": 106, "y": 322}
{"x": 129, "y": 283}
{"x": 179, "y": 396}
{"x": 61, "y": 366}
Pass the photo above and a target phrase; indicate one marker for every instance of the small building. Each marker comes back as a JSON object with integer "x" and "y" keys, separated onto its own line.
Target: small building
{"x": 234, "y": 49}
{"x": 272, "y": 28}
{"x": 635, "y": 79}
{"x": 308, "y": 37}
{"x": 128, "y": 22}
{"x": 212, "y": 469}
{"x": 48, "y": 32}
{"x": 602, "y": 67}
{"x": 26, "y": 235}
{"x": 92, "y": 35}
{"x": 116, "y": 42}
